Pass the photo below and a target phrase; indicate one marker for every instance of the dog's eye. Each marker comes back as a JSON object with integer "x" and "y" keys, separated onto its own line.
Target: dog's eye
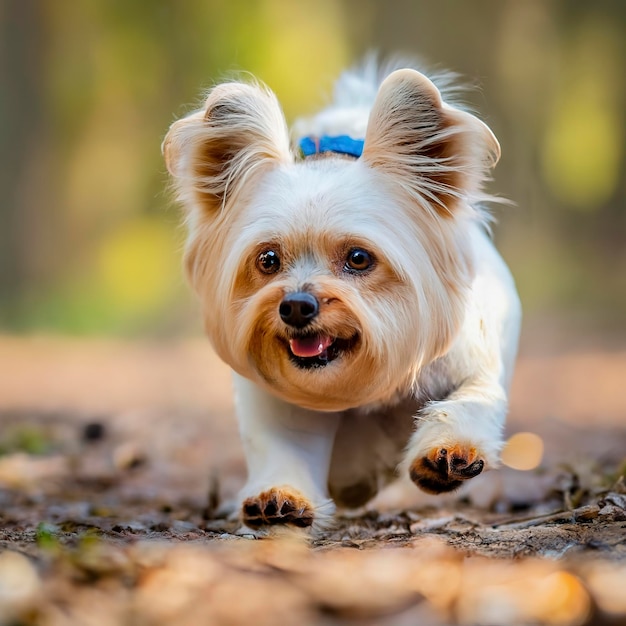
{"x": 268, "y": 262}
{"x": 358, "y": 260}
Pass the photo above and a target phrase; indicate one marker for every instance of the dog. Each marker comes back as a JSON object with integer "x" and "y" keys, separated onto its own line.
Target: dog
{"x": 349, "y": 280}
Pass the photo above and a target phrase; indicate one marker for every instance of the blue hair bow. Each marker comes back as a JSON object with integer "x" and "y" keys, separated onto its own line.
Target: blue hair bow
{"x": 341, "y": 145}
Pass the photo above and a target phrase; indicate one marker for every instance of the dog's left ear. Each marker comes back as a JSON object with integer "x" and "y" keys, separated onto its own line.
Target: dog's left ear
{"x": 440, "y": 152}
{"x": 239, "y": 132}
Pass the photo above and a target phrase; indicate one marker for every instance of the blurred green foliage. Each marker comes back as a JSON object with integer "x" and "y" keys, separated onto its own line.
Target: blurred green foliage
{"x": 47, "y": 537}
{"x": 89, "y": 237}
{"x": 25, "y": 439}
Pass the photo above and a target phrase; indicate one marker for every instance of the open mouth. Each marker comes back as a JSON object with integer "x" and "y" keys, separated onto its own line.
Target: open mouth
{"x": 318, "y": 350}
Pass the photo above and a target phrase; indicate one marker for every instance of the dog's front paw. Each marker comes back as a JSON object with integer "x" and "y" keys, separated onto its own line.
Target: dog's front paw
{"x": 277, "y": 506}
{"x": 445, "y": 468}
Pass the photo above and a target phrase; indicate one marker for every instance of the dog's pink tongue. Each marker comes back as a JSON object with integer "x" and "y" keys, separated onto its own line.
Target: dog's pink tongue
{"x": 310, "y": 346}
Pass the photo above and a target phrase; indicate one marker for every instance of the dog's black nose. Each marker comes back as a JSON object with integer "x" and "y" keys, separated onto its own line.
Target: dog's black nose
{"x": 298, "y": 309}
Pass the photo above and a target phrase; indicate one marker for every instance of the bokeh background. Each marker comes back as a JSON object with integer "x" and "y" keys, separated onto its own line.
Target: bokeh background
{"x": 116, "y": 418}
{"x": 90, "y": 240}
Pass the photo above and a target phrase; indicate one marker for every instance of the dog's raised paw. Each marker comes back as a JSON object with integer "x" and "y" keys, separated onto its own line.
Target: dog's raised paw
{"x": 277, "y": 506}
{"x": 445, "y": 468}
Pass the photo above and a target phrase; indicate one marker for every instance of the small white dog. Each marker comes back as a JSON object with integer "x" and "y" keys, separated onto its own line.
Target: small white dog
{"x": 352, "y": 287}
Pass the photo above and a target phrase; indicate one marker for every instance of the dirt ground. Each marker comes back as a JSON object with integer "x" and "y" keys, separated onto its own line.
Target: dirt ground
{"x": 114, "y": 457}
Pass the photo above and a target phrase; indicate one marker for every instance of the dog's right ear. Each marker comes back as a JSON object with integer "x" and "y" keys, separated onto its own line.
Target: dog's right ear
{"x": 239, "y": 132}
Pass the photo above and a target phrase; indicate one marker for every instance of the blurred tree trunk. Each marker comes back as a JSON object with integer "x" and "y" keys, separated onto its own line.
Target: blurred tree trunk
{"x": 22, "y": 102}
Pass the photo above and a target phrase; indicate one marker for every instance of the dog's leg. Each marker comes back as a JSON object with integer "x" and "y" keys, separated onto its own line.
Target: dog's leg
{"x": 288, "y": 453}
{"x": 459, "y": 436}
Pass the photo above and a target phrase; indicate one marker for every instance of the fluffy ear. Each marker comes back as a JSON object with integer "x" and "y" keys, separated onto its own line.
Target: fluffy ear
{"x": 438, "y": 152}
{"x": 212, "y": 152}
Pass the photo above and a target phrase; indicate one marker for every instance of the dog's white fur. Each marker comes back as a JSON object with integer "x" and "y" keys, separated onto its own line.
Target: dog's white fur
{"x": 437, "y": 318}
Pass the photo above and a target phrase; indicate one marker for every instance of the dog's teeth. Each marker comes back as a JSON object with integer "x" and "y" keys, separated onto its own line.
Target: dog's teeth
{"x": 310, "y": 346}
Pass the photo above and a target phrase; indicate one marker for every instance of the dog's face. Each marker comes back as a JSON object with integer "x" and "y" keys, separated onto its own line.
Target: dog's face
{"x": 330, "y": 281}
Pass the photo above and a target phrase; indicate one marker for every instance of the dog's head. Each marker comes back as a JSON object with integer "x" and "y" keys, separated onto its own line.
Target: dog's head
{"x": 330, "y": 281}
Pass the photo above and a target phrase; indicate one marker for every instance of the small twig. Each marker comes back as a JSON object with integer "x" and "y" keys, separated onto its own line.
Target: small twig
{"x": 529, "y": 522}
{"x": 213, "y": 497}
{"x": 619, "y": 486}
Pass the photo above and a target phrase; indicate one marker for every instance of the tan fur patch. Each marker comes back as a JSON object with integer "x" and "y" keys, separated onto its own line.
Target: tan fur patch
{"x": 353, "y": 379}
